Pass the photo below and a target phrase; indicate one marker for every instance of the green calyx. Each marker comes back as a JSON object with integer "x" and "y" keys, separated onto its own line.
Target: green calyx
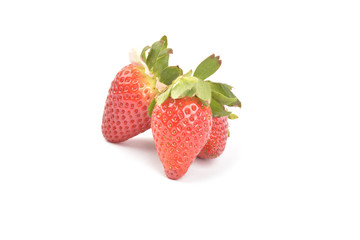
{"x": 208, "y": 67}
{"x": 187, "y": 85}
{"x": 184, "y": 86}
{"x": 217, "y": 95}
{"x": 169, "y": 74}
{"x": 156, "y": 57}
{"x": 221, "y": 96}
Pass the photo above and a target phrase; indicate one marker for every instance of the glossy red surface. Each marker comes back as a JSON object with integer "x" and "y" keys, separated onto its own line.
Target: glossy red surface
{"x": 126, "y": 113}
{"x": 215, "y": 146}
{"x": 180, "y": 129}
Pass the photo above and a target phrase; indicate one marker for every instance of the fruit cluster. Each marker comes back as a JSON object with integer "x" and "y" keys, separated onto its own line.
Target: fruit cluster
{"x": 186, "y": 112}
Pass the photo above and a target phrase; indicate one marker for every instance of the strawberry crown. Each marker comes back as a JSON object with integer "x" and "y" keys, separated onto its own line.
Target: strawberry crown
{"x": 216, "y": 94}
{"x": 156, "y": 57}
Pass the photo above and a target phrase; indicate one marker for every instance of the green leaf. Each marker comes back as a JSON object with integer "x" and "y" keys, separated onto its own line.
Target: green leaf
{"x": 162, "y": 61}
{"x": 164, "y": 39}
{"x": 163, "y": 96}
{"x": 169, "y": 74}
{"x": 221, "y": 88}
{"x": 154, "y": 53}
{"x": 236, "y": 104}
{"x": 222, "y": 95}
{"x": 222, "y": 99}
{"x": 225, "y": 90}
{"x": 190, "y": 93}
{"x": 233, "y": 116}
{"x": 165, "y": 52}
{"x": 227, "y": 86}
{"x": 203, "y": 91}
{"x": 184, "y": 86}
{"x": 207, "y": 67}
{"x": 217, "y": 109}
{"x": 188, "y": 74}
{"x": 143, "y": 53}
{"x": 151, "y": 107}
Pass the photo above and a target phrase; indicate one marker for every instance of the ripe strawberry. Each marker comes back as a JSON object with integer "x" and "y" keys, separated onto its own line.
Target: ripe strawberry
{"x": 215, "y": 145}
{"x": 125, "y": 113}
{"x": 181, "y": 118}
{"x": 132, "y": 90}
{"x": 180, "y": 129}
{"x": 221, "y": 95}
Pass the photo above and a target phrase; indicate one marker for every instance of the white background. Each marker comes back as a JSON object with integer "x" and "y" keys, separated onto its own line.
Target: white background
{"x": 291, "y": 167}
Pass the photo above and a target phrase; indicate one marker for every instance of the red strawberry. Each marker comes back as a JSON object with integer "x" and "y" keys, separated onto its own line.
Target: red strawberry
{"x": 180, "y": 128}
{"x": 221, "y": 95}
{"x": 125, "y": 113}
{"x": 181, "y": 118}
{"x": 132, "y": 90}
{"x": 215, "y": 145}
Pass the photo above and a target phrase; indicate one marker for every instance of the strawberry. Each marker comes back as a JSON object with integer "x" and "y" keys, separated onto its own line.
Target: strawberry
{"x": 221, "y": 95}
{"x": 181, "y": 118}
{"x": 180, "y": 129}
{"x": 132, "y": 90}
{"x": 215, "y": 145}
